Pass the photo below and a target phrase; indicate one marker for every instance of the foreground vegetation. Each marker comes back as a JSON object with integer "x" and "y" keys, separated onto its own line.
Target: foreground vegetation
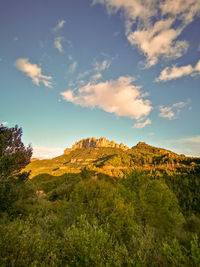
{"x": 146, "y": 218}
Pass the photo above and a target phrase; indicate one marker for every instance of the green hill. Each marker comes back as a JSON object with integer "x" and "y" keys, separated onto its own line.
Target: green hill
{"x": 103, "y": 156}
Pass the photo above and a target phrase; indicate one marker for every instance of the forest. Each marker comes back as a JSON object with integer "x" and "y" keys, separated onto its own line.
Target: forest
{"x": 145, "y": 214}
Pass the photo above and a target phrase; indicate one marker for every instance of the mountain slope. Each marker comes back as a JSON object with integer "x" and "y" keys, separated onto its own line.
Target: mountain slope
{"x": 105, "y": 156}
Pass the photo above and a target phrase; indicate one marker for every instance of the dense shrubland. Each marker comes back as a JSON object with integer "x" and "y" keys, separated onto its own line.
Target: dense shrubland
{"x": 146, "y": 218}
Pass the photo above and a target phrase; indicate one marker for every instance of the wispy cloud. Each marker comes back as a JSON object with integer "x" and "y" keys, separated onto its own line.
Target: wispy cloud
{"x": 99, "y": 66}
{"x": 120, "y": 97}
{"x": 166, "y": 112}
{"x": 171, "y": 112}
{"x": 33, "y": 71}
{"x": 73, "y": 66}
{"x": 94, "y": 78}
{"x": 174, "y": 72}
{"x": 159, "y": 24}
{"x": 59, "y": 25}
{"x": 142, "y": 124}
{"x": 58, "y": 44}
{"x": 42, "y": 152}
{"x": 95, "y": 73}
{"x": 4, "y": 123}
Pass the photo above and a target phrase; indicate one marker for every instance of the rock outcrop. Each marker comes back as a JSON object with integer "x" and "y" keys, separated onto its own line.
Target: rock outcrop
{"x": 93, "y": 142}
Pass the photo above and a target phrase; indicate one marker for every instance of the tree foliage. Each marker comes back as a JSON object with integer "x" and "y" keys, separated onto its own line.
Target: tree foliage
{"x": 146, "y": 218}
{"x": 14, "y": 156}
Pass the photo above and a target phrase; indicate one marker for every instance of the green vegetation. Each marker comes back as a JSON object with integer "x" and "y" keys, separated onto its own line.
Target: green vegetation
{"x": 72, "y": 213}
{"x": 115, "y": 162}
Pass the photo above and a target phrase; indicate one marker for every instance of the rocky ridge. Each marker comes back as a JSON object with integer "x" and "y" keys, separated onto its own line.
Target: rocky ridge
{"x": 93, "y": 142}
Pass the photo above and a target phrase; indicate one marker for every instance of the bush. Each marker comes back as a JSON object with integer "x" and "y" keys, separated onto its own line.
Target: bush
{"x": 101, "y": 200}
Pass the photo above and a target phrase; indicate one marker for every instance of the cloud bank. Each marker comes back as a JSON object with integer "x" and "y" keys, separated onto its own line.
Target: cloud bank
{"x": 119, "y": 96}
{"x": 33, "y": 71}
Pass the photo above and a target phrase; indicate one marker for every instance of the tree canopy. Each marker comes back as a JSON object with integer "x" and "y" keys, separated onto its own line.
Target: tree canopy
{"x": 14, "y": 156}
{"x": 145, "y": 218}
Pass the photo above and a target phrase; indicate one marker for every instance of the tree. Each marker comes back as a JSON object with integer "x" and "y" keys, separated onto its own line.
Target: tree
{"x": 101, "y": 200}
{"x": 155, "y": 204}
{"x": 14, "y": 156}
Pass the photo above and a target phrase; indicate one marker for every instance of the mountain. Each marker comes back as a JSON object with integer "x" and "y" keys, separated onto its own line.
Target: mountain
{"x": 108, "y": 157}
{"x": 93, "y": 142}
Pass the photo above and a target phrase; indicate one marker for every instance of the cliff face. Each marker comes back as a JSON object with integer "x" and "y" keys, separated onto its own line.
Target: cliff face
{"x": 93, "y": 142}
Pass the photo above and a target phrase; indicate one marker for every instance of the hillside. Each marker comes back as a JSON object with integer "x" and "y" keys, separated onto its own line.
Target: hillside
{"x": 75, "y": 212}
{"x": 108, "y": 157}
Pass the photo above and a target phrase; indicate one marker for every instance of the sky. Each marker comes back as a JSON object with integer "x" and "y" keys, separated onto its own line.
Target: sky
{"x": 127, "y": 70}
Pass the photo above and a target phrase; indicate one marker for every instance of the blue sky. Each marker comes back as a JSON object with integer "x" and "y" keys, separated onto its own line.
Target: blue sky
{"x": 122, "y": 69}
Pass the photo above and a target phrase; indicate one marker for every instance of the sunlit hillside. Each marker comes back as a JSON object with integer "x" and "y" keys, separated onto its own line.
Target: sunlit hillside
{"x": 111, "y": 160}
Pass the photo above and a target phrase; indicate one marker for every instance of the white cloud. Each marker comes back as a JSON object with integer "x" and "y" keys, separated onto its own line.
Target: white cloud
{"x": 73, "y": 66}
{"x": 177, "y": 72}
{"x": 3, "y": 123}
{"x": 133, "y": 8}
{"x": 154, "y": 26}
{"x": 142, "y": 124}
{"x": 172, "y": 111}
{"x": 158, "y": 40}
{"x": 118, "y": 96}
{"x": 58, "y": 44}
{"x": 166, "y": 112}
{"x": 59, "y": 26}
{"x": 41, "y": 152}
{"x": 185, "y": 10}
{"x": 33, "y": 71}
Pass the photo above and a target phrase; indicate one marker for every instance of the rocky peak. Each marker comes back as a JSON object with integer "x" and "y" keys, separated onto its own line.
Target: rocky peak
{"x": 141, "y": 144}
{"x": 93, "y": 142}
